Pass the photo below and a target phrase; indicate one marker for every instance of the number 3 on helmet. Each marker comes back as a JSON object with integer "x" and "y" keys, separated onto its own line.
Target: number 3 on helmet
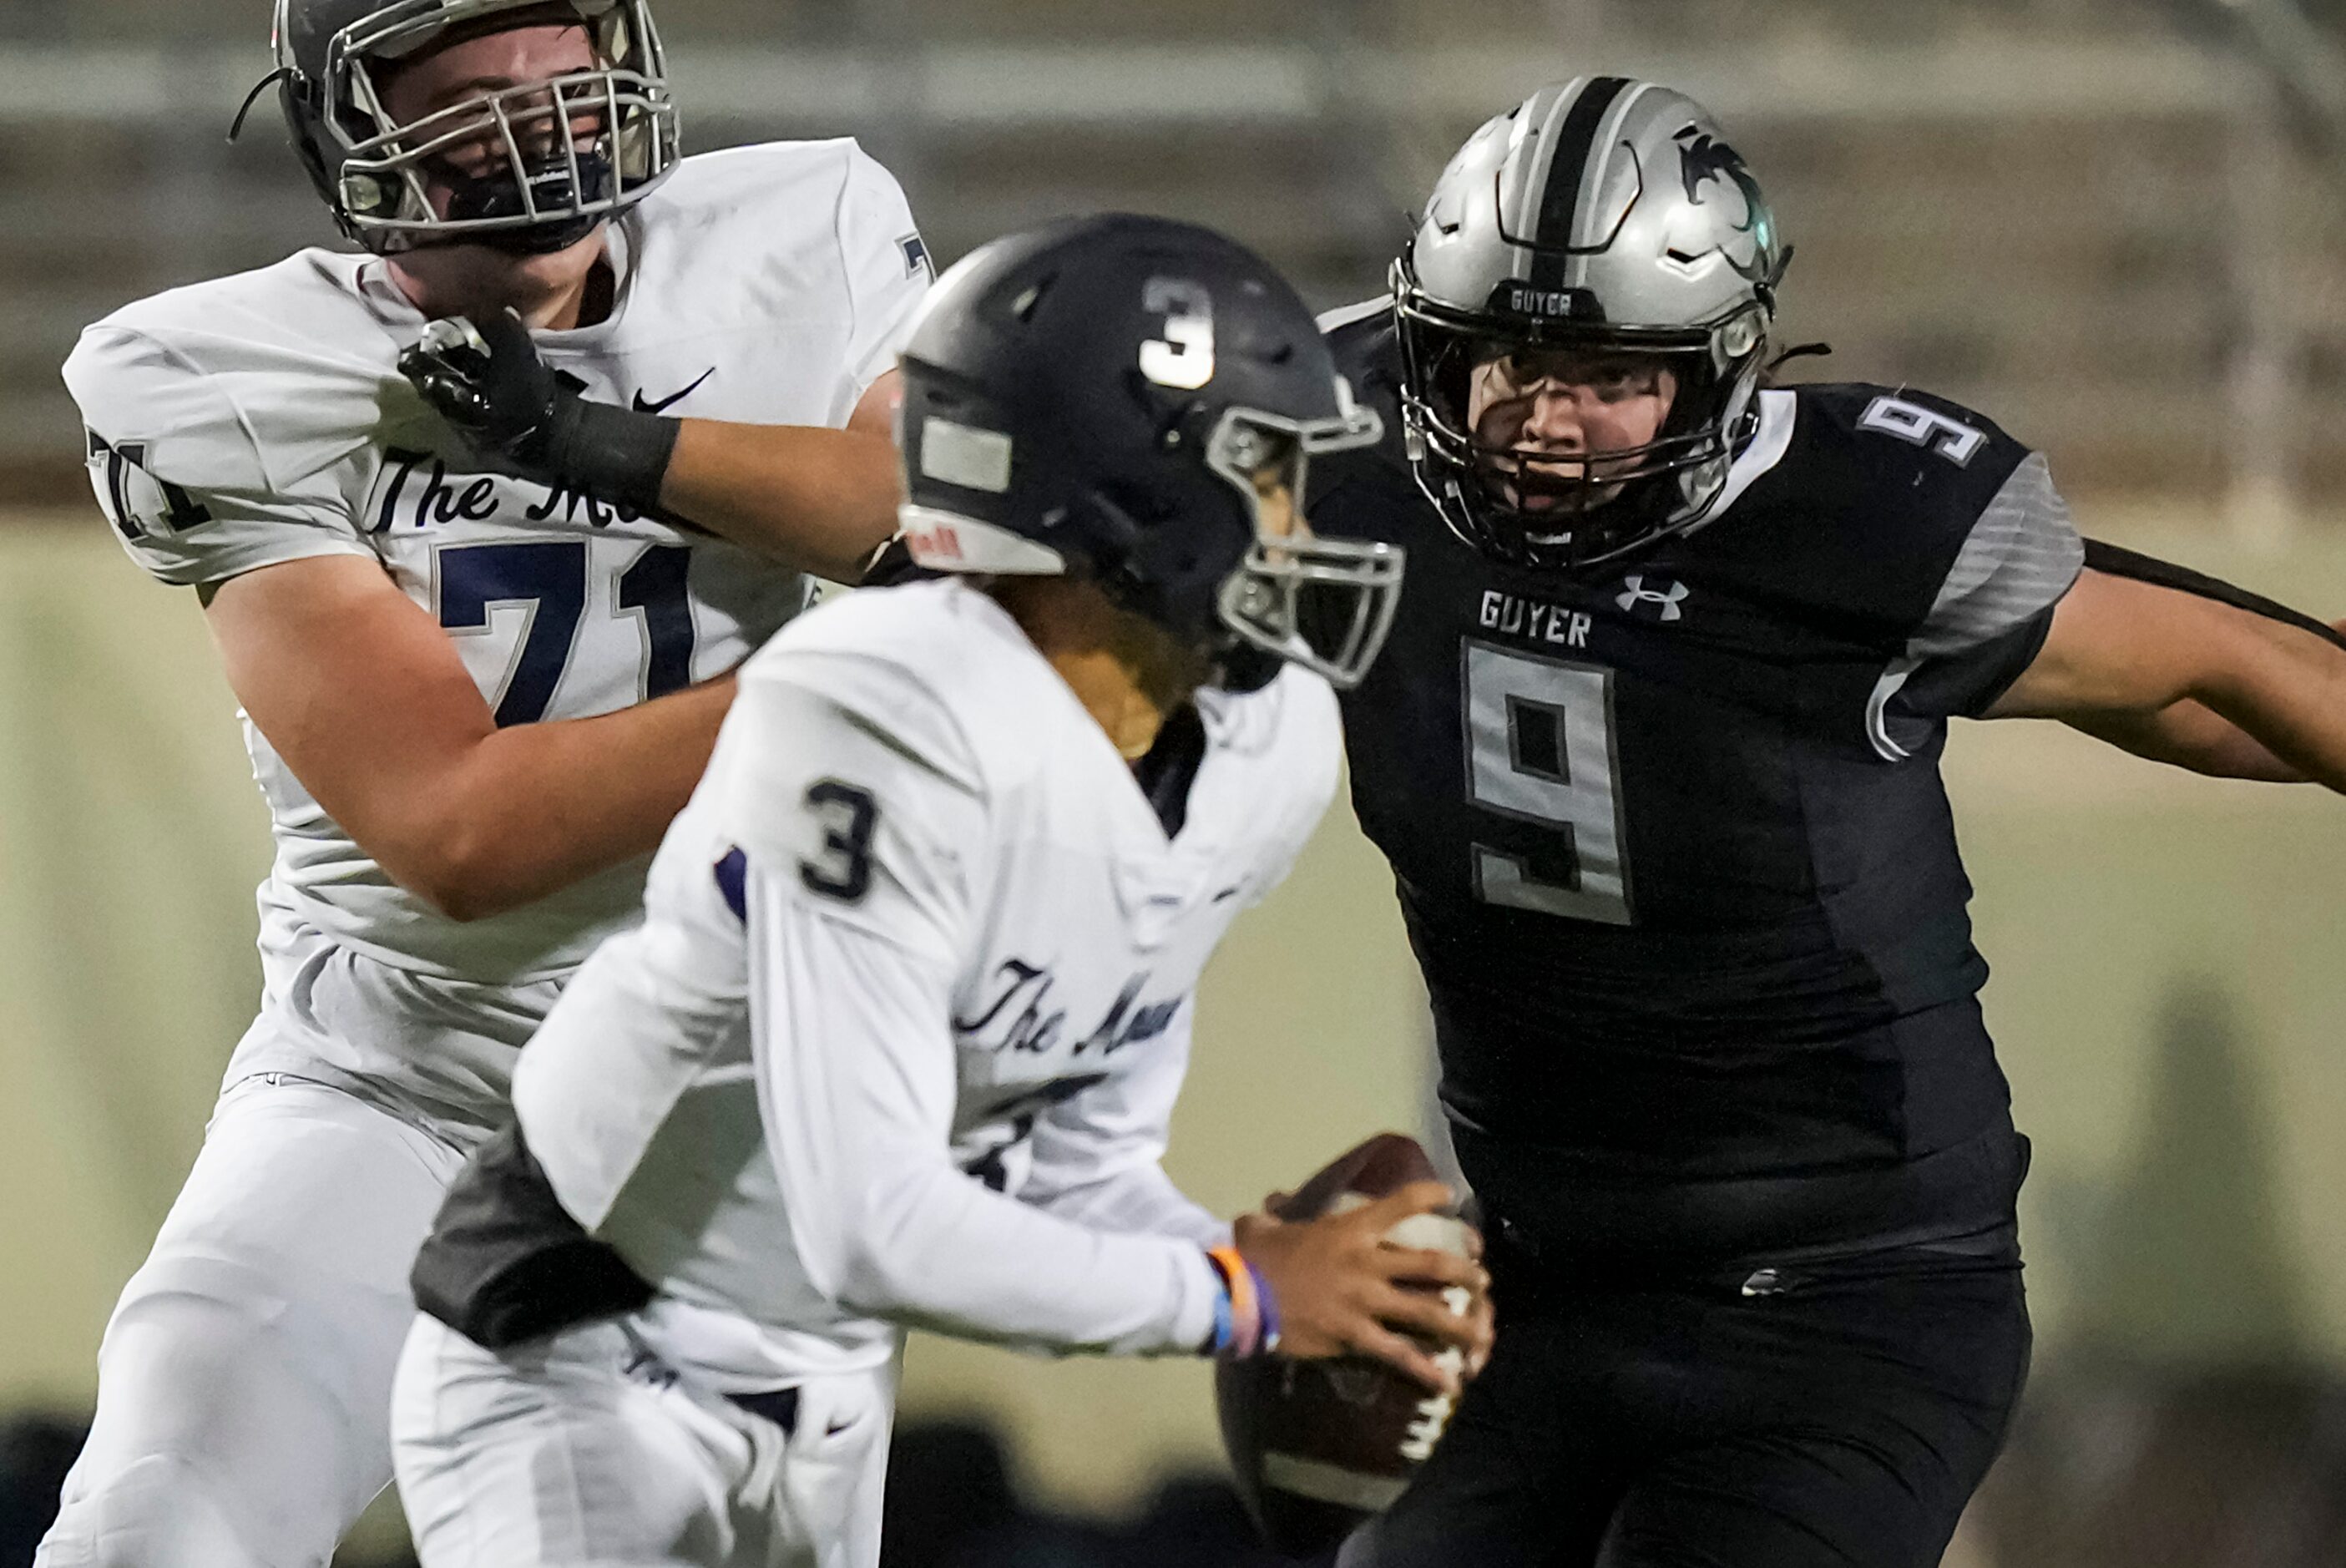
{"x": 1136, "y": 401}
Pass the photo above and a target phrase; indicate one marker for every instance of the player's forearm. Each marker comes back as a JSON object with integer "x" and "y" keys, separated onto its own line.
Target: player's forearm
{"x": 2165, "y": 673}
{"x": 820, "y": 500}
{"x": 1139, "y": 1200}
{"x": 851, "y": 1036}
{"x": 2286, "y": 691}
{"x": 537, "y": 808}
{"x": 2191, "y": 735}
{"x": 936, "y": 1249}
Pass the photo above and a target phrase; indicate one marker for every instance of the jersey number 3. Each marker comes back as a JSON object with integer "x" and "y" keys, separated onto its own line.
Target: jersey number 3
{"x": 849, "y": 816}
{"x": 1539, "y": 750}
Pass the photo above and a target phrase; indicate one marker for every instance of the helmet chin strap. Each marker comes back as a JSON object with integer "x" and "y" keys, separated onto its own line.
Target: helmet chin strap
{"x": 540, "y": 239}
{"x": 236, "y": 127}
{"x": 547, "y": 238}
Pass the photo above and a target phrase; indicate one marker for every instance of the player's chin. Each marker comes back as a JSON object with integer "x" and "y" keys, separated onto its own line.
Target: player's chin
{"x": 553, "y": 269}
{"x": 490, "y": 277}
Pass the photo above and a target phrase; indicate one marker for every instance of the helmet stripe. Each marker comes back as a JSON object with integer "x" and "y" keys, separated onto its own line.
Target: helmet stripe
{"x": 1568, "y": 168}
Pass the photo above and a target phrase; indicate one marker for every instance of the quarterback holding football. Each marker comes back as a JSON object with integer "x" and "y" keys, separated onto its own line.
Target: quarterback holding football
{"x": 899, "y": 1040}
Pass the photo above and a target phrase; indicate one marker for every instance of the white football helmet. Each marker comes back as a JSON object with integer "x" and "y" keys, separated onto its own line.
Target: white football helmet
{"x": 1607, "y": 215}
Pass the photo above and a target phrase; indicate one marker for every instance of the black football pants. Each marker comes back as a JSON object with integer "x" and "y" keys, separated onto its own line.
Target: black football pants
{"x": 1841, "y": 1424}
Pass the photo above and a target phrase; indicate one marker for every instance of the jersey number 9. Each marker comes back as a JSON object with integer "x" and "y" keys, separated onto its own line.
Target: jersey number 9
{"x": 1539, "y": 749}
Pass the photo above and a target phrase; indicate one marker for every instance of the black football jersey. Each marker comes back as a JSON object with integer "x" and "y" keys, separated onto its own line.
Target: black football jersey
{"x": 1670, "y": 837}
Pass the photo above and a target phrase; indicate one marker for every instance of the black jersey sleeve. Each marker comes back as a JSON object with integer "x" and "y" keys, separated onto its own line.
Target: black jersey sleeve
{"x": 1965, "y": 685}
{"x": 1976, "y": 549}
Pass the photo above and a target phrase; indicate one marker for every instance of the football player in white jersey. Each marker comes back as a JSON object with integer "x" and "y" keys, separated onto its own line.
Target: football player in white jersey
{"x": 475, "y": 699}
{"x": 900, "y": 1036}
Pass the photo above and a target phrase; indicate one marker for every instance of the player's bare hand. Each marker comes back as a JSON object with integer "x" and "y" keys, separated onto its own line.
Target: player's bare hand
{"x": 1343, "y": 1289}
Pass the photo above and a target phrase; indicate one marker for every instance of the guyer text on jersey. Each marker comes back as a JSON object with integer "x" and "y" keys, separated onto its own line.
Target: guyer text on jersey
{"x": 1514, "y": 617}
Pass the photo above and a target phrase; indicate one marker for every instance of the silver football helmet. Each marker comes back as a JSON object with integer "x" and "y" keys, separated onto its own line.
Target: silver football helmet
{"x": 561, "y": 157}
{"x": 1603, "y": 215}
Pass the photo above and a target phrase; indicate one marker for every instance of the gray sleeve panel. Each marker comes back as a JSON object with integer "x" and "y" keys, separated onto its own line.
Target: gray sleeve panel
{"x": 1991, "y": 616}
{"x": 2019, "y": 559}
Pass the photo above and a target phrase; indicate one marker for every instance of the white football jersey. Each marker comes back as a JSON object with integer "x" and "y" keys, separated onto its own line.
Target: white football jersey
{"x": 919, "y": 948}
{"x": 261, "y": 418}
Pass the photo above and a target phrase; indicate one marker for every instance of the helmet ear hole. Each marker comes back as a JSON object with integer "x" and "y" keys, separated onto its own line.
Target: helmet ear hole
{"x": 1134, "y": 510}
{"x": 1029, "y": 300}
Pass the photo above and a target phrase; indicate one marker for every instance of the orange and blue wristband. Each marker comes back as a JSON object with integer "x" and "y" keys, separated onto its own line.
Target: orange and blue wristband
{"x": 1246, "y": 1313}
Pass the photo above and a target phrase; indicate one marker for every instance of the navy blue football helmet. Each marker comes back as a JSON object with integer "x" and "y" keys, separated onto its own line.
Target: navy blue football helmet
{"x": 1126, "y": 399}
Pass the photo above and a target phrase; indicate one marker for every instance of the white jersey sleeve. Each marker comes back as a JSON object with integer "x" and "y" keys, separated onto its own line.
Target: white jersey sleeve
{"x": 866, "y": 832}
{"x": 1097, "y": 1158}
{"x": 181, "y": 474}
{"x": 888, "y": 272}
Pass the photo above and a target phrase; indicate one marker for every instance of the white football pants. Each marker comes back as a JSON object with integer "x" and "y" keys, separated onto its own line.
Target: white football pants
{"x": 245, "y": 1378}
{"x": 582, "y": 1449}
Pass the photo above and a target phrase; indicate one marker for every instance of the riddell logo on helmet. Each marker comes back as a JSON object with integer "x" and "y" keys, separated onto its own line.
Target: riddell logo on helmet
{"x": 937, "y": 543}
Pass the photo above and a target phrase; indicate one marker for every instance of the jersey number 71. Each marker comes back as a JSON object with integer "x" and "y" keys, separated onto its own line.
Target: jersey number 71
{"x": 549, "y": 575}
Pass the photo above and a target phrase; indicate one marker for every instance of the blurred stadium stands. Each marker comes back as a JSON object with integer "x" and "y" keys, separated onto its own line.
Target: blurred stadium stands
{"x": 2083, "y": 215}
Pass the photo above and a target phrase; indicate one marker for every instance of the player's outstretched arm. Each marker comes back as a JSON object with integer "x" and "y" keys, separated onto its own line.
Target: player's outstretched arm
{"x": 2189, "y": 679}
{"x": 2191, "y": 735}
{"x": 816, "y": 499}
{"x": 365, "y": 699}
{"x": 820, "y": 500}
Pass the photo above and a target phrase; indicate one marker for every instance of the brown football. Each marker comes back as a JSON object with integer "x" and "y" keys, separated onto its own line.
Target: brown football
{"x": 1319, "y": 1446}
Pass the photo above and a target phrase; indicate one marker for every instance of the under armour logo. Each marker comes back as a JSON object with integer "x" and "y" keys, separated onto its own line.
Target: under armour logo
{"x": 1668, "y": 598}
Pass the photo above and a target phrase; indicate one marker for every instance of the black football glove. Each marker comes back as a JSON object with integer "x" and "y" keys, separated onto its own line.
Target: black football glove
{"x": 490, "y": 383}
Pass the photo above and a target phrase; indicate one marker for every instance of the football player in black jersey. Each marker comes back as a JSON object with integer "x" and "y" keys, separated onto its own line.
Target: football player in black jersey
{"x": 1654, "y": 751}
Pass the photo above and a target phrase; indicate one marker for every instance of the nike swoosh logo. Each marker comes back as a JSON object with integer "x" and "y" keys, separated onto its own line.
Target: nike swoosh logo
{"x": 666, "y": 404}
